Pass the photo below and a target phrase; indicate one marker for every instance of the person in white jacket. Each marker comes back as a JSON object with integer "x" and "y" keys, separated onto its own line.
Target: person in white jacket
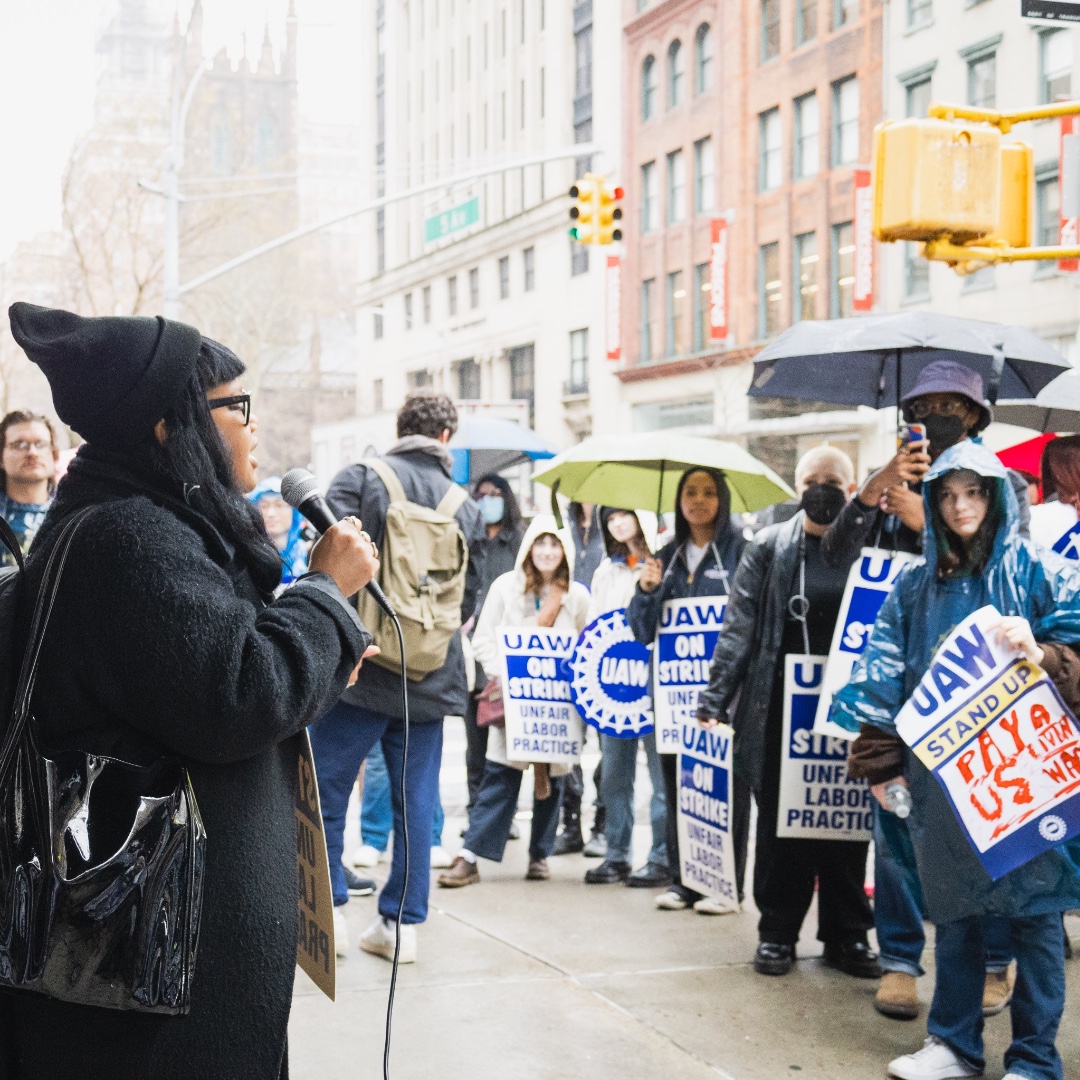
{"x": 629, "y": 538}
{"x": 539, "y": 592}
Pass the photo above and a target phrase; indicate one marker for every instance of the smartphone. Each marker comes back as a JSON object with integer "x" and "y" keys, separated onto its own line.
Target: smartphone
{"x": 912, "y": 433}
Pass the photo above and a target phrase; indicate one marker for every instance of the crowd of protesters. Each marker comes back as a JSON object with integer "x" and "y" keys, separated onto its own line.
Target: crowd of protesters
{"x": 253, "y": 600}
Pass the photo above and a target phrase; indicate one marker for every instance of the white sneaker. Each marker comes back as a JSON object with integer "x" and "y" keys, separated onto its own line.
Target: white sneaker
{"x": 935, "y": 1061}
{"x": 341, "y": 933}
{"x": 440, "y": 858}
{"x": 378, "y": 939}
{"x": 670, "y": 900}
{"x": 367, "y": 856}
{"x": 708, "y": 905}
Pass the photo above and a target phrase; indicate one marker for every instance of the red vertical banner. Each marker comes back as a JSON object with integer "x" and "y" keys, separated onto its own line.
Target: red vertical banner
{"x": 1068, "y": 190}
{"x": 718, "y": 289}
{"x": 613, "y": 307}
{"x": 863, "y": 226}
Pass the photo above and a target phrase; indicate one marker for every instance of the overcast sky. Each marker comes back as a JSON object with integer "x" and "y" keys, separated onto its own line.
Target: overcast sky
{"x": 48, "y": 70}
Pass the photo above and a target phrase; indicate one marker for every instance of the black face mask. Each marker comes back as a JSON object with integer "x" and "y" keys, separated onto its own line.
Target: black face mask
{"x": 944, "y": 431}
{"x": 823, "y": 503}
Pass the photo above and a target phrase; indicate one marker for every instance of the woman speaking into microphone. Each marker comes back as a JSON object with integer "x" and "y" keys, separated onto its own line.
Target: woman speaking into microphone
{"x": 165, "y": 643}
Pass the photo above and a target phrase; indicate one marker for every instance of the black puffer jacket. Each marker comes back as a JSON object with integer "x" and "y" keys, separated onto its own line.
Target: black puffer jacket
{"x": 160, "y": 643}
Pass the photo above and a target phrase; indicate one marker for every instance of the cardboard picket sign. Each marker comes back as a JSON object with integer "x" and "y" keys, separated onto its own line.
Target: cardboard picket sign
{"x": 1005, "y": 748}
{"x": 542, "y": 723}
{"x": 818, "y": 800}
{"x": 706, "y": 847}
{"x": 1054, "y": 525}
{"x": 610, "y": 678}
{"x": 869, "y": 582}
{"x": 315, "y": 941}
{"x": 682, "y": 656}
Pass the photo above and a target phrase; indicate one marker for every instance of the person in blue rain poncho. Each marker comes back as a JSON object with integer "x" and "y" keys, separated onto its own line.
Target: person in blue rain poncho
{"x": 285, "y": 526}
{"x": 973, "y": 556}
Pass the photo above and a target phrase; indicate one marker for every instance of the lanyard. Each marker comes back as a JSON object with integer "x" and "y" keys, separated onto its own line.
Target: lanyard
{"x": 799, "y": 606}
{"x": 719, "y": 565}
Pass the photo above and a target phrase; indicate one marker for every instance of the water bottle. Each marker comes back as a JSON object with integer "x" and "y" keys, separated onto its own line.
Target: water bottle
{"x": 898, "y": 799}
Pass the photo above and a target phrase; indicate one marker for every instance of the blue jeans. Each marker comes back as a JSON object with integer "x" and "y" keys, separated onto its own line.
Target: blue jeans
{"x": 339, "y": 742}
{"x": 376, "y": 810}
{"x": 898, "y": 904}
{"x": 1038, "y": 1000}
{"x": 494, "y": 809}
{"x": 617, "y": 795}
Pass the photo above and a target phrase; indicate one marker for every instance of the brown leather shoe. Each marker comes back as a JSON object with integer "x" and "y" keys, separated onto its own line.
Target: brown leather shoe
{"x": 461, "y": 873}
{"x": 538, "y": 870}
{"x": 896, "y": 996}
{"x": 998, "y": 990}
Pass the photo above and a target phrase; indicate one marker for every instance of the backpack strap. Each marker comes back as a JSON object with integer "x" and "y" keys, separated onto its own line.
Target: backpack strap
{"x": 389, "y": 478}
{"x": 452, "y": 501}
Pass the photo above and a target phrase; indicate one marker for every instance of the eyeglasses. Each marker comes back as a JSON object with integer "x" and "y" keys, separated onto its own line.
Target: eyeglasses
{"x": 237, "y": 401}
{"x": 24, "y": 446}
{"x": 953, "y": 405}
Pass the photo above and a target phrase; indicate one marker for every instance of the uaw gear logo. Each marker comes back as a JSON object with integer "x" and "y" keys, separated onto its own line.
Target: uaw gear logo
{"x": 609, "y": 680}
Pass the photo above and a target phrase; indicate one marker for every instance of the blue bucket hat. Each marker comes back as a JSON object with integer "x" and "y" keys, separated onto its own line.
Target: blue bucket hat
{"x": 950, "y": 377}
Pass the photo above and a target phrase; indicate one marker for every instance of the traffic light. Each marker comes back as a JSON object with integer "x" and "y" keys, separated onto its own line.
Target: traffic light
{"x": 609, "y": 213}
{"x": 583, "y": 214}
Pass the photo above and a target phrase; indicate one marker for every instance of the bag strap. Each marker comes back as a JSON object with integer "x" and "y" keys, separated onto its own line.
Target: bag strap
{"x": 11, "y": 542}
{"x": 452, "y": 501}
{"x": 388, "y": 477}
{"x": 46, "y": 598}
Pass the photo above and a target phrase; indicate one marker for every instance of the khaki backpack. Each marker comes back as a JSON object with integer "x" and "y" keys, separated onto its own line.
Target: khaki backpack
{"x": 422, "y": 568}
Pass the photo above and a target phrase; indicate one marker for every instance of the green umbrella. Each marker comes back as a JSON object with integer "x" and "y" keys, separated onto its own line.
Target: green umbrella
{"x": 641, "y": 472}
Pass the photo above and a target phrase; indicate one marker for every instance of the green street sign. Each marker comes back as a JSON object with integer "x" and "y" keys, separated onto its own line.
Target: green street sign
{"x": 453, "y": 220}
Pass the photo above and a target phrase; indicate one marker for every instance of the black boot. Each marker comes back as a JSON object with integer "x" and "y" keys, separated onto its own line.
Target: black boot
{"x": 569, "y": 841}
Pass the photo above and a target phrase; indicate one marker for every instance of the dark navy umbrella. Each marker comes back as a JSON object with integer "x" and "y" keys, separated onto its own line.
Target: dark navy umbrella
{"x": 875, "y": 359}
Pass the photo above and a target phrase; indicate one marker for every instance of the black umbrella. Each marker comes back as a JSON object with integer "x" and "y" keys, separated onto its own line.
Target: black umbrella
{"x": 875, "y": 359}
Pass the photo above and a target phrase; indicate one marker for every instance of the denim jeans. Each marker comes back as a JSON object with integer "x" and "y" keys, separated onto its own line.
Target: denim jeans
{"x": 494, "y": 809}
{"x": 340, "y": 742}
{"x": 898, "y": 904}
{"x": 376, "y": 810}
{"x": 620, "y": 758}
{"x": 1038, "y": 1000}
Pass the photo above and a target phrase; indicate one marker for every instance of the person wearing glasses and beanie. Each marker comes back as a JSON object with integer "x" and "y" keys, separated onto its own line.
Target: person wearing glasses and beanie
{"x": 166, "y": 641}
{"x": 29, "y": 462}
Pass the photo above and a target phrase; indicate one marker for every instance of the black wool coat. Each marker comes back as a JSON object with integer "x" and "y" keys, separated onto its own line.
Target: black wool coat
{"x": 160, "y": 643}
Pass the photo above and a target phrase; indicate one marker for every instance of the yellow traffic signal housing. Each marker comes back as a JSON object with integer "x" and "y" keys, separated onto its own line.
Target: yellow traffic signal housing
{"x": 608, "y": 214}
{"x": 936, "y": 178}
{"x": 584, "y": 213}
{"x": 1015, "y": 220}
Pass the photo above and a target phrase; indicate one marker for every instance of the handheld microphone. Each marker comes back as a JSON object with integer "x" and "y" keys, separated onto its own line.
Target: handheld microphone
{"x": 300, "y": 490}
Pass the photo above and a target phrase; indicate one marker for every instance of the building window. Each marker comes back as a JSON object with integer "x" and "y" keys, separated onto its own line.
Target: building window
{"x": 919, "y": 13}
{"x": 805, "y": 21}
{"x": 222, "y": 148}
{"x": 676, "y": 308}
{"x": 704, "y": 177}
{"x": 841, "y": 302}
{"x": 468, "y": 380}
{"x": 917, "y": 97}
{"x": 807, "y": 154}
{"x": 650, "y": 216}
{"x": 1055, "y": 66}
{"x": 418, "y": 379}
{"x": 408, "y": 311}
{"x": 807, "y": 262}
{"x": 676, "y": 187}
{"x": 916, "y": 274}
{"x": 702, "y": 303}
{"x": 504, "y": 277}
{"x": 426, "y": 295}
{"x": 377, "y": 394}
{"x": 523, "y": 377}
{"x": 377, "y": 326}
{"x": 769, "y": 139}
{"x": 579, "y": 258}
{"x": 265, "y": 143}
{"x": 770, "y": 290}
{"x": 770, "y": 29}
{"x": 676, "y": 73}
{"x": 648, "y": 88}
{"x": 703, "y": 59}
{"x": 583, "y": 58}
{"x": 845, "y": 12}
{"x": 1047, "y": 216}
{"x": 661, "y": 415}
{"x": 474, "y": 287}
{"x": 579, "y": 362}
{"x": 845, "y": 149}
{"x": 528, "y": 259}
{"x": 982, "y": 81}
{"x": 648, "y": 318}
{"x": 451, "y": 295}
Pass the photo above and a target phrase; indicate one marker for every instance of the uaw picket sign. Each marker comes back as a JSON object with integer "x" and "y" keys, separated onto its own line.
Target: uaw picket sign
{"x": 315, "y": 941}
{"x": 682, "y": 656}
{"x": 541, "y": 721}
{"x": 994, "y": 731}
{"x": 706, "y": 849}
{"x": 610, "y": 678}
{"x": 1069, "y": 543}
{"x": 870, "y": 581}
{"x": 818, "y": 800}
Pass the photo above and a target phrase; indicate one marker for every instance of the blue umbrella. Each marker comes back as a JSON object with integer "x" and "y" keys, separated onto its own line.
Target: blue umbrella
{"x": 874, "y": 360}
{"x": 485, "y": 444}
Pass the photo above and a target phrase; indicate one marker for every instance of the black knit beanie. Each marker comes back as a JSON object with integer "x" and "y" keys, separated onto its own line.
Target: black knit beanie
{"x": 113, "y": 377}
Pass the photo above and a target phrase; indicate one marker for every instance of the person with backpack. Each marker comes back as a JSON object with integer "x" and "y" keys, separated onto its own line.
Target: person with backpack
{"x": 431, "y": 537}
{"x": 30, "y": 454}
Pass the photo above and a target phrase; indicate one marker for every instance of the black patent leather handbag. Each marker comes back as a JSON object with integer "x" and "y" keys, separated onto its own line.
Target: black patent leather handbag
{"x": 101, "y": 860}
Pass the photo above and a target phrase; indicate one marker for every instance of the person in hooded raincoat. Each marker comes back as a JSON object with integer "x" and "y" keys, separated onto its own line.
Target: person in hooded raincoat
{"x": 974, "y": 556}
{"x": 285, "y": 527}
